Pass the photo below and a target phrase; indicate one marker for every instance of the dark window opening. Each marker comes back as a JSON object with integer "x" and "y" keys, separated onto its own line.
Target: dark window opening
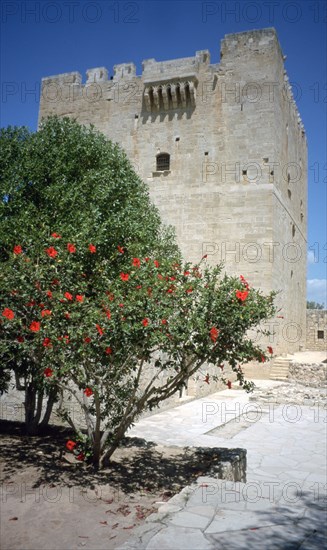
{"x": 136, "y": 116}
{"x": 272, "y": 173}
{"x": 289, "y": 192}
{"x": 178, "y": 95}
{"x": 187, "y": 94}
{"x": 163, "y": 162}
{"x": 293, "y": 230}
{"x": 244, "y": 172}
{"x": 320, "y": 334}
{"x": 177, "y": 139}
{"x": 206, "y": 153}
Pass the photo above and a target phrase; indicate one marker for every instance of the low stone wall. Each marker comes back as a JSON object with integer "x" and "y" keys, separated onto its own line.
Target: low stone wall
{"x": 12, "y": 403}
{"x": 311, "y": 375}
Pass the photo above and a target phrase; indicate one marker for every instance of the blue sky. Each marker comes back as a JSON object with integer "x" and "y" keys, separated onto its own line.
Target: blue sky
{"x": 43, "y": 38}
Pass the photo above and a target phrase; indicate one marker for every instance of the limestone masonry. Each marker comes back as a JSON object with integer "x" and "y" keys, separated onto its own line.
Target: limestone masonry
{"x": 224, "y": 153}
{"x": 316, "y": 330}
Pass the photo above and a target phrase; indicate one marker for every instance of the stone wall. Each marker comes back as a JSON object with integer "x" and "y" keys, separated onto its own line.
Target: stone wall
{"x": 236, "y": 184}
{"x": 12, "y": 403}
{"x": 311, "y": 375}
{"x": 316, "y": 333}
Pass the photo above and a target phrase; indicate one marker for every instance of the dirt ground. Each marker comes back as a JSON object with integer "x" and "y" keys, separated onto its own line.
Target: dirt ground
{"x": 50, "y": 501}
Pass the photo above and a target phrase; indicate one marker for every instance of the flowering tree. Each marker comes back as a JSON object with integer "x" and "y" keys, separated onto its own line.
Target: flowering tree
{"x": 94, "y": 297}
{"x": 121, "y": 341}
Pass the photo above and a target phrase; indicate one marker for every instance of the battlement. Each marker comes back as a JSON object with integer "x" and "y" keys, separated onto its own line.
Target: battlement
{"x": 173, "y": 84}
{"x": 152, "y": 71}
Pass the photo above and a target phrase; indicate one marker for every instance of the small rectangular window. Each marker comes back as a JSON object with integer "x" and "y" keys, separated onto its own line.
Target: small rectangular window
{"x": 320, "y": 334}
{"x": 163, "y": 162}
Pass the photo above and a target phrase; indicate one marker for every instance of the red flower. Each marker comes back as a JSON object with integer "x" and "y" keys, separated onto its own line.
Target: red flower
{"x": 17, "y": 249}
{"x": 121, "y": 250}
{"x": 68, "y": 295}
{"x": 164, "y": 321}
{"x": 79, "y": 298}
{"x": 229, "y": 384}
{"x": 244, "y": 281}
{"x": 138, "y": 287}
{"x": 20, "y": 339}
{"x": 8, "y": 313}
{"x": 31, "y": 303}
{"x": 67, "y": 316}
{"x": 35, "y": 326}
{"x": 49, "y": 293}
{"x": 41, "y": 306}
{"x": 160, "y": 277}
{"x": 88, "y": 392}
{"x": 87, "y": 340}
{"x": 71, "y": 248}
{"x": 107, "y": 313}
{"x": 145, "y": 322}
{"x": 121, "y": 305}
{"x": 47, "y": 343}
{"x": 70, "y": 445}
{"x": 81, "y": 456}
{"x": 206, "y": 379}
{"x": 156, "y": 263}
{"x": 45, "y": 312}
{"x": 136, "y": 262}
{"x": 51, "y": 251}
{"x": 56, "y": 235}
{"x": 170, "y": 290}
{"x": 48, "y": 372}
{"x": 108, "y": 351}
{"x": 262, "y": 359}
{"x": 92, "y": 248}
{"x": 147, "y": 259}
{"x": 110, "y": 295}
{"x": 189, "y": 290}
{"x": 214, "y": 334}
{"x": 186, "y": 273}
{"x": 241, "y": 295}
{"x": 124, "y": 276}
{"x": 55, "y": 282}
{"x": 66, "y": 338}
{"x": 204, "y": 257}
{"x": 270, "y": 350}
{"x": 100, "y": 330}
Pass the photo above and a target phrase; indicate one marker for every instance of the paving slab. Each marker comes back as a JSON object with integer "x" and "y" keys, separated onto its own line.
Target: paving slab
{"x": 282, "y": 504}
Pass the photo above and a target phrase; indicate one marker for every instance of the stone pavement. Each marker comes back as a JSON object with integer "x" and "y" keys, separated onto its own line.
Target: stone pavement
{"x": 282, "y": 505}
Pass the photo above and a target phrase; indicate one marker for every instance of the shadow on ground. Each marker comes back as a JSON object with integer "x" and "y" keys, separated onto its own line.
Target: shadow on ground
{"x": 136, "y": 465}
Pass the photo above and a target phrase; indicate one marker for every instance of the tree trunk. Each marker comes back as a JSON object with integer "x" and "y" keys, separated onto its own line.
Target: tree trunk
{"x": 33, "y": 409}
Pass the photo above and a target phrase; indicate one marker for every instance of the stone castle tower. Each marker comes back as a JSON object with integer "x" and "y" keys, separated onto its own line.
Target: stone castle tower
{"x": 224, "y": 153}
